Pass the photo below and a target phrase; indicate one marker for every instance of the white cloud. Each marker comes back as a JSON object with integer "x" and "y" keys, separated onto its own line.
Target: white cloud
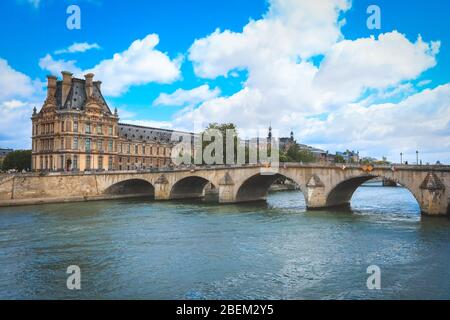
{"x": 184, "y": 98}
{"x": 14, "y": 83}
{"x": 421, "y": 121}
{"x": 15, "y": 124}
{"x": 140, "y": 64}
{"x": 56, "y": 66}
{"x": 423, "y": 83}
{"x": 354, "y": 65}
{"x": 78, "y": 47}
{"x": 18, "y": 94}
{"x": 285, "y": 88}
{"x": 13, "y": 104}
{"x": 291, "y": 29}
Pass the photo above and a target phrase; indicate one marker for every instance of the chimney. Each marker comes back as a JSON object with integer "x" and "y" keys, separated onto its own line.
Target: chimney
{"x": 99, "y": 85}
{"x": 89, "y": 84}
{"x": 51, "y": 86}
{"x": 66, "y": 85}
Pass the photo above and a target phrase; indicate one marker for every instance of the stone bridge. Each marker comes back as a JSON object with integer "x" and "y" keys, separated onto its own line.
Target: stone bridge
{"x": 322, "y": 185}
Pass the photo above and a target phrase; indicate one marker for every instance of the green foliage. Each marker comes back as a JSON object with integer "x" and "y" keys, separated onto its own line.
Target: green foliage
{"x": 339, "y": 159}
{"x": 295, "y": 154}
{"x": 223, "y": 128}
{"x": 19, "y": 160}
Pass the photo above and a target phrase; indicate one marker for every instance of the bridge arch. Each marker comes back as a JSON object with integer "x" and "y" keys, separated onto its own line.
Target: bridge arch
{"x": 256, "y": 187}
{"x": 131, "y": 187}
{"x": 340, "y": 194}
{"x": 191, "y": 187}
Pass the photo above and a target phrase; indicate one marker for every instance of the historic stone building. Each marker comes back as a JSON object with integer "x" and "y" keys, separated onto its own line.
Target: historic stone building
{"x": 76, "y": 131}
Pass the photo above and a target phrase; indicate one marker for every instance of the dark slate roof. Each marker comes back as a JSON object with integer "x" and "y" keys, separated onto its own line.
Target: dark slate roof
{"x": 76, "y": 98}
{"x": 147, "y": 134}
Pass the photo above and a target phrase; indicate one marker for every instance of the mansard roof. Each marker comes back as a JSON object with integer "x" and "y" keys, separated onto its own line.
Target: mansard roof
{"x": 76, "y": 98}
{"x": 147, "y": 134}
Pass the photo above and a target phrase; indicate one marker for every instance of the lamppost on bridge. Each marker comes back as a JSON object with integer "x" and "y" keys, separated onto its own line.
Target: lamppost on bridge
{"x": 417, "y": 157}
{"x": 401, "y": 157}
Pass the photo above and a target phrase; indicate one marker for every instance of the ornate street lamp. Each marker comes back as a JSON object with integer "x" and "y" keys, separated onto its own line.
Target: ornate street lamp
{"x": 417, "y": 157}
{"x": 401, "y": 157}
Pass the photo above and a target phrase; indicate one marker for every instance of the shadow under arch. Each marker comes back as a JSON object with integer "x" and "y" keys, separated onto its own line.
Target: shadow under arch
{"x": 342, "y": 193}
{"x": 131, "y": 187}
{"x": 193, "y": 187}
{"x": 256, "y": 187}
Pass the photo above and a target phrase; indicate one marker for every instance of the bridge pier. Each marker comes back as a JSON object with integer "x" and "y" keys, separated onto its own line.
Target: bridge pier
{"x": 315, "y": 195}
{"x": 226, "y": 189}
{"x": 433, "y": 199}
{"x": 162, "y": 188}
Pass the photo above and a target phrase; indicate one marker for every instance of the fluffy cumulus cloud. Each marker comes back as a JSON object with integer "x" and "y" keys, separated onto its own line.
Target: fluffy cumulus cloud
{"x": 18, "y": 94}
{"x": 14, "y": 83}
{"x": 184, "y": 98}
{"x": 421, "y": 121}
{"x": 291, "y": 28}
{"x": 78, "y": 47}
{"x": 56, "y": 66}
{"x": 341, "y": 103}
{"x": 140, "y": 64}
{"x": 351, "y": 66}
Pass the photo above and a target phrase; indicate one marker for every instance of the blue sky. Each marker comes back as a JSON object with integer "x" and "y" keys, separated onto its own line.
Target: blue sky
{"x": 308, "y": 68}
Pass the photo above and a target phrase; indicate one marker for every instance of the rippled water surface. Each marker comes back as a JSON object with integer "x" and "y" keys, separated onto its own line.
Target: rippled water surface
{"x": 194, "y": 250}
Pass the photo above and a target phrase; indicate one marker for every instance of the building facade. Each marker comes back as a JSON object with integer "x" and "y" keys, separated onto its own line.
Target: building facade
{"x": 75, "y": 130}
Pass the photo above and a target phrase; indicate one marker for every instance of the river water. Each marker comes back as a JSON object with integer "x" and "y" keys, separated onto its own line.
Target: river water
{"x": 194, "y": 250}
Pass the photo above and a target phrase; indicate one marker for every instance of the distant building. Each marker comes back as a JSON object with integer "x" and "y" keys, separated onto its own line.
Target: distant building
{"x": 286, "y": 142}
{"x": 349, "y": 156}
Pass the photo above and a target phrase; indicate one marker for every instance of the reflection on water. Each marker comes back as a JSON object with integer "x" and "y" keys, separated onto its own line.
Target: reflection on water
{"x": 195, "y": 250}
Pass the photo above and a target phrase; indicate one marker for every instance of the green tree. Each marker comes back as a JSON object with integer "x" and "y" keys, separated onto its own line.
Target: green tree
{"x": 223, "y": 128}
{"x": 295, "y": 154}
{"x": 19, "y": 160}
{"x": 339, "y": 159}
{"x": 283, "y": 156}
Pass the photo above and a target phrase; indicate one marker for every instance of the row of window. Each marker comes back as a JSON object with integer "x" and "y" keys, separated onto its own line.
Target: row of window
{"x": 145, "y": 150}
{"x": 90, "y": 144}
{"x": 149, "y": 161}
{"x": 66, "y": 126}
{"x": 43, "y": 128}
{"x": 43, "y": 145}
{"x": 46, "y": 163}
{"x": 68, "y": 163}
{"x": 65, "y": 143}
